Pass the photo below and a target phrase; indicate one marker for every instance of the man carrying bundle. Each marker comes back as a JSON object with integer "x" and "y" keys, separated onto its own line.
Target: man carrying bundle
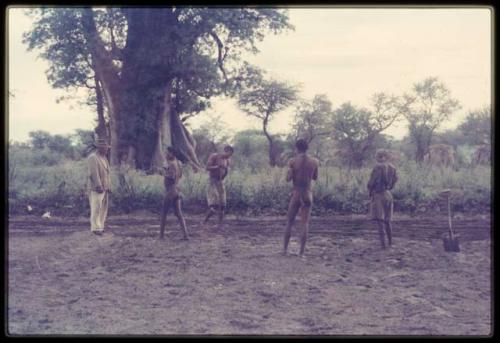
{"x": 302, "y": 169}
{"x": 217, "y": 167}
{"x": 382, "y": 180}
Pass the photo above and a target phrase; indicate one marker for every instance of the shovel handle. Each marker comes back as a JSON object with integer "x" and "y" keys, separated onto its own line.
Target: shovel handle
{"x": 449, "y": 217}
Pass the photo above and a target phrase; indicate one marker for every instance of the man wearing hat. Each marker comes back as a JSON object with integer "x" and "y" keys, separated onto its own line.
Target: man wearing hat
{"x": 382, "y": 180}
{"x": 99, "y": 184}
{"x": 217, "y": 167}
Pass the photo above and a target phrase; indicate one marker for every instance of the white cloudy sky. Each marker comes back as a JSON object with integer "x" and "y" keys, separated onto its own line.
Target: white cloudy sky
{"x": 346, "y": 53}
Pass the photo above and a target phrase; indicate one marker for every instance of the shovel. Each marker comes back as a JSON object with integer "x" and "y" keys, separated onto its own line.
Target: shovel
{"x": 450, "y": 241}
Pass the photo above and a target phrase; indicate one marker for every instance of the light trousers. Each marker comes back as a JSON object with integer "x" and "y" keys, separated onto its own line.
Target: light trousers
{"x": 98, "y": 210}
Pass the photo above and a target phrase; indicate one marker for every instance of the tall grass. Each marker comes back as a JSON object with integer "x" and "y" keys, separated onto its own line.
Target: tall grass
{"x": 61, "y": 189}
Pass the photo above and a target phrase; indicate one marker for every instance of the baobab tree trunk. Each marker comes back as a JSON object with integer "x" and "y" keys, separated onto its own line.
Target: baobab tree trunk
{"x": 163, "y": 135}
{"x": 139, "y": 96}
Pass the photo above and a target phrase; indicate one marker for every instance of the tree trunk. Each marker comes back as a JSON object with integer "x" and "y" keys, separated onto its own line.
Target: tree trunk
{"x": 141, "y": 116}
{"x": 272, "y": 153}
{"x": 107, "y": 75}
{"x": 101, "y": 123}
{"x": 163, "y": 135}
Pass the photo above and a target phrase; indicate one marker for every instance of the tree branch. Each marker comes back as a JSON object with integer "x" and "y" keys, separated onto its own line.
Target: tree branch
{"x": 220, "y": 56}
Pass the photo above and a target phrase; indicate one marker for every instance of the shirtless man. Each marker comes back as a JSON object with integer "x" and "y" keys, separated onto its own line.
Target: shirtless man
{"x": 382, "y": 180}
{"x": 302, "y": 169}
{"x": 217, "y": 167}
{"x": 173, "y": 197}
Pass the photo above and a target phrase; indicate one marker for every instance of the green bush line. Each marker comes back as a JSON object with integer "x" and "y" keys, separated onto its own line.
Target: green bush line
{"x": 61, "y": 189}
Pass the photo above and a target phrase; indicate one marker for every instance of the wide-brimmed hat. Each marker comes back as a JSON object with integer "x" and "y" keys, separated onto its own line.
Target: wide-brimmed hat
{"x": 100, "y": 142}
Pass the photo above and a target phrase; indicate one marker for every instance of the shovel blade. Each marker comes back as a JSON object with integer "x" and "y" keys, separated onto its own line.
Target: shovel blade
{"x": 451, "y": 244}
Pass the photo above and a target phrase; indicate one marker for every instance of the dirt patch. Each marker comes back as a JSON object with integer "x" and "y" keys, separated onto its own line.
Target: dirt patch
{"x": 232, "y": 280}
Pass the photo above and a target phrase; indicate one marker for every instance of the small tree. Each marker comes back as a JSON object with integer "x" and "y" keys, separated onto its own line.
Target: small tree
{"x": 311, "y": 119}
{"x": 426, "y": 108}
{"x": 263, "y": 99}
{"x": 356, "y": 130}
{"x": 209, "y": 136}
{"x": 477, "y": 126}
{"x": 39, "y": 139}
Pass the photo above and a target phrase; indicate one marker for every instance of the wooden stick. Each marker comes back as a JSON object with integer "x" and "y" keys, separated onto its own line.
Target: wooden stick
{"x": 37, "y": 264}
{"x": 449, "y": 217}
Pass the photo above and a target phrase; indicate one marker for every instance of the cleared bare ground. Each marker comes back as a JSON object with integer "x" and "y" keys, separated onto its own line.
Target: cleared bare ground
{"x": 64, "y": 280}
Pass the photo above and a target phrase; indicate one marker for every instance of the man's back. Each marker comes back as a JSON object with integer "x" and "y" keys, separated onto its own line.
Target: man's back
{"x": 304, "y": 169}
{"x": 383, "y": 177}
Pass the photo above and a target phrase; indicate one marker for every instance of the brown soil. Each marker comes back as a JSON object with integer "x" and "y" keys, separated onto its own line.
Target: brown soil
{"x": 64, "y": 280}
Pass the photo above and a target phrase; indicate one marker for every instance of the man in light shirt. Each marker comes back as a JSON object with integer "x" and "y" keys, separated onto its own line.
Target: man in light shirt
{"x": 99, "y": 184}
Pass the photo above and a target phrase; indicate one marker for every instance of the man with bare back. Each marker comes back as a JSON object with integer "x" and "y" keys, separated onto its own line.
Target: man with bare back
{"x": 382, "y": 180}
{"x": 302, "y": 169}
{"x": 173, "y": 198}
{"x": 217, "y": 167}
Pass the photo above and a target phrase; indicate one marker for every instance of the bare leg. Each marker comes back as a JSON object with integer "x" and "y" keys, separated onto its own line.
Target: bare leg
{"x": 221, "y": 213}
{"x": 163, "y": 216}
{"x": 305, "y": 214}
{"x": 388, "y": 231}
{"x": 381, "y": 234}
{"x": 211, "y": 212}
{"x": 293, "y": 208}
{"x": 180, "y": 217}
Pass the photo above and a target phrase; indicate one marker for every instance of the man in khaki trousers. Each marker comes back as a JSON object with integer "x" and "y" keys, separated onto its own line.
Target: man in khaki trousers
{"x": 99, "y": 183}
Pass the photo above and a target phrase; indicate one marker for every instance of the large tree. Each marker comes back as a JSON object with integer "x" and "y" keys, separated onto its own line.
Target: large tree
{"x": 263, "y": 98}
{"x": 148, "y": 66}
{"x": 425, "y": 108}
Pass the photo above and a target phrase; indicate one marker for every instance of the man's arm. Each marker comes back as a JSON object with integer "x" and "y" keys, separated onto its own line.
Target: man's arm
{"x": 371, "y": 182}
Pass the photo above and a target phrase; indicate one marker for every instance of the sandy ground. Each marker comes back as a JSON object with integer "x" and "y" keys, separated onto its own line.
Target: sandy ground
{"x": 232, "y": 281}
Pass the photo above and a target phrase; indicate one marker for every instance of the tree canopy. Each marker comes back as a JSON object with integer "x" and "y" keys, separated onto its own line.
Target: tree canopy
{"x": 152, "y": 64}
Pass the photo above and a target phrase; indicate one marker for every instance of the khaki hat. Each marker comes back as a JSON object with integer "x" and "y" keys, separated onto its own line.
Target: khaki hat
{"x": 382, "y": 155}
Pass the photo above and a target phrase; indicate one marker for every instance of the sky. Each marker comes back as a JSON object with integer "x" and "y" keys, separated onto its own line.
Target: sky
{"x": 346, "y": 53}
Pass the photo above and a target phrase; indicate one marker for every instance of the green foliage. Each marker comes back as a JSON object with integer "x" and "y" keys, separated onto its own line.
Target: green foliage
{"x": 61, "y": 189}
{"x": 477, "y": 126}
{"x": 312, "y": 119}
{"x": 251, "y": 147}
{"x": 146, "y": 58}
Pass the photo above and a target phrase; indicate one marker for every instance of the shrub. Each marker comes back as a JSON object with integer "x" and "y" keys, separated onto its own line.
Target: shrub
{"x": 61, "y": 188}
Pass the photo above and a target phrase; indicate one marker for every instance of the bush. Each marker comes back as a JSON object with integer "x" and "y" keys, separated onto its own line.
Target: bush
{"x": 61, "y": 188}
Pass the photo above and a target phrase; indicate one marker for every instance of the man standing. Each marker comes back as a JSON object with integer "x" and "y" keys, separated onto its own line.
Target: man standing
{"x": 99, "y": 184}
{"x": 217, "y": 167}
{"x": 173, "y": 197}
{"x": 302, "y": 169}
{"x": 382, "y": 180}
